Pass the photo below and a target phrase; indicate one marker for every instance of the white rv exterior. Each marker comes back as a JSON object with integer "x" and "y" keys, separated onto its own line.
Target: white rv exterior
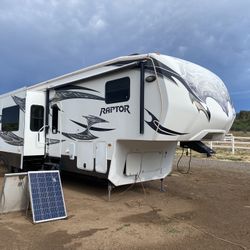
{"x": 119, "y": 120}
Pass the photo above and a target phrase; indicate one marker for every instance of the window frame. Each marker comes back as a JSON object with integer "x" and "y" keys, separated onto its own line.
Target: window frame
{"x": 109, "y": 90}
{"x": 32, "y": 118}
{"x": 4, "y": 123}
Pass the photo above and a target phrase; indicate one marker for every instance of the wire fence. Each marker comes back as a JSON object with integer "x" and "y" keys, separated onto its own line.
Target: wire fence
{"x": 232, "y": 143}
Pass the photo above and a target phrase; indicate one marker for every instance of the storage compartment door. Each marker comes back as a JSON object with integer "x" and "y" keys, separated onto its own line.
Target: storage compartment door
{"x": 101, "y": 157}
{"x": 85, "y": 159}
{"x": 133, "y": 164}
{"x": 151, "y": 162}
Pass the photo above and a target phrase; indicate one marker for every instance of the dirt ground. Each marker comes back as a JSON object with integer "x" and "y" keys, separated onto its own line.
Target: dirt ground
{"x": 209, "y": 208}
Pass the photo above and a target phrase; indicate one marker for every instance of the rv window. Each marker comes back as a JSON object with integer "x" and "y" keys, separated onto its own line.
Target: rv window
{"x": 10, "y": 118}
{"x": 36, "y": 117}
{"x": 117, "y": 90}
{"x": 55, "y": 110}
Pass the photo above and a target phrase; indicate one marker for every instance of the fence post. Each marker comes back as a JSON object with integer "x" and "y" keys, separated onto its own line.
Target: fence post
{"x": 233, "y": 149}
{"x": 211, "y": 144}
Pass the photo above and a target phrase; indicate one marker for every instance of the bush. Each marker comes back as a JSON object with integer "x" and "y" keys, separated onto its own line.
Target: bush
{"x": 242, "y": 122}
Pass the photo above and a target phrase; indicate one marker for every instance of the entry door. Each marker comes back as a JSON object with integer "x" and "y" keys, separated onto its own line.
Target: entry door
{"x": 34, "y": 131}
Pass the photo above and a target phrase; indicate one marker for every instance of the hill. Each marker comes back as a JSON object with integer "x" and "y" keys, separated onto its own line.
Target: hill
{"x": 242, "y": 122}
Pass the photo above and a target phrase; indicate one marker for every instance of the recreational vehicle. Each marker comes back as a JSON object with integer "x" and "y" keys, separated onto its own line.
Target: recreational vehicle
{"x": 120, "y": 120}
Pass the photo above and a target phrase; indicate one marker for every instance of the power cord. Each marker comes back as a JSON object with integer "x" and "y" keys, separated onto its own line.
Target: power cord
{"x": 189, "y": 162}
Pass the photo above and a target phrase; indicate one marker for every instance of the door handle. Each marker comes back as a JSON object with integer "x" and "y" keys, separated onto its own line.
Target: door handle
{"x": 40, "y": 130}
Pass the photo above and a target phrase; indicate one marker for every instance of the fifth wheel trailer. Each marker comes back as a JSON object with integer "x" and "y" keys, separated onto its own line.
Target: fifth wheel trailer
{"x": 120, "y": 120}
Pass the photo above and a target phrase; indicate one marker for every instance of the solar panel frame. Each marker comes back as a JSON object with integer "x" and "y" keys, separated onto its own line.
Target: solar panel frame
{"x": 40, "y": 196}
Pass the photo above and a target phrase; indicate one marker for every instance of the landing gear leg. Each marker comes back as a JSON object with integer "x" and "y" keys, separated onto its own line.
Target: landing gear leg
{"x": 110, "y": 187}
{"x": 162, "y": 186}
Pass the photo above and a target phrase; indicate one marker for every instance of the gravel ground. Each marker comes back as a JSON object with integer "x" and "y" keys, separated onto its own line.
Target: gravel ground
{"x": 208, "y": 208}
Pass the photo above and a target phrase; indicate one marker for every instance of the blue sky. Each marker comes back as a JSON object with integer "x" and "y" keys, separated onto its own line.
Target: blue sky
{"x": 43, "y": 39}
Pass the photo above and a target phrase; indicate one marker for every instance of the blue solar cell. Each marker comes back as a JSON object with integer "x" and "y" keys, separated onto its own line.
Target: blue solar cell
{"x": 46, "y": 195}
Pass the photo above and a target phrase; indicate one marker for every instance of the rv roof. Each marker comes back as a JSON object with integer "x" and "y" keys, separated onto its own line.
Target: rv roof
{"x": 87, "y": 72}
{"x": 14, "y": 91}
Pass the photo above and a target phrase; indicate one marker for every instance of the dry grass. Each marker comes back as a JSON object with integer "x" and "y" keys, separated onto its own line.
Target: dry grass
{"x": 223, "y": 154}
{"x": 226, "y": 153}
{"x": 240, "y": 133}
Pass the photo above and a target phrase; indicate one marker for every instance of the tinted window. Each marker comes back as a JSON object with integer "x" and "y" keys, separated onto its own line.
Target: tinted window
{"x": 36, "y": 117}
{"x": 10, "y": 119}
{"x": 117, "y": 90}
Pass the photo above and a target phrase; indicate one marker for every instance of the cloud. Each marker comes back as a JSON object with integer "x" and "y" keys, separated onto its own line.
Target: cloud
{"x": 97, "y": 23}
{"x": 42, "y": 39}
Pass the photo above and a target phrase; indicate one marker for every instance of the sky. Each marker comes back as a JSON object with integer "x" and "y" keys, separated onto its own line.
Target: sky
{"x": 41, "y": 39}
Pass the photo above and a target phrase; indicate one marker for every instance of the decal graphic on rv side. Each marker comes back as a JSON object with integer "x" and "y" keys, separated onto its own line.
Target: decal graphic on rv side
{"x": 155, "y": 125}
{"x": 11, "y": 138}
{"x": 20, "y": 102}
{"x": 86, "y": 134}
{"x": 50, "y": 141}
{"x": 69, "y": 94}
{"x": 8, "y": 136}
{"x": 121, "y": 108}
{"x": 212, "y": 86}
{"x": 200, "y": 83}
{"x": 162, "y": 69}
{"x": 72, "y": 86}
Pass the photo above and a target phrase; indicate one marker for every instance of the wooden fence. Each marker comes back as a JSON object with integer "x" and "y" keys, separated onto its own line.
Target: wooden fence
{"x": 233, "y": 143}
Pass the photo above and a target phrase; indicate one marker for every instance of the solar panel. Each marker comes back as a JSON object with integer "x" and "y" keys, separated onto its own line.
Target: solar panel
{"x": 46, "y": 195}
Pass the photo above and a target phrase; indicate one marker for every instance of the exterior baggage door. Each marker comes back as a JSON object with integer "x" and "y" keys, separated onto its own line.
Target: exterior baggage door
{"x": 34, "y": 131}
